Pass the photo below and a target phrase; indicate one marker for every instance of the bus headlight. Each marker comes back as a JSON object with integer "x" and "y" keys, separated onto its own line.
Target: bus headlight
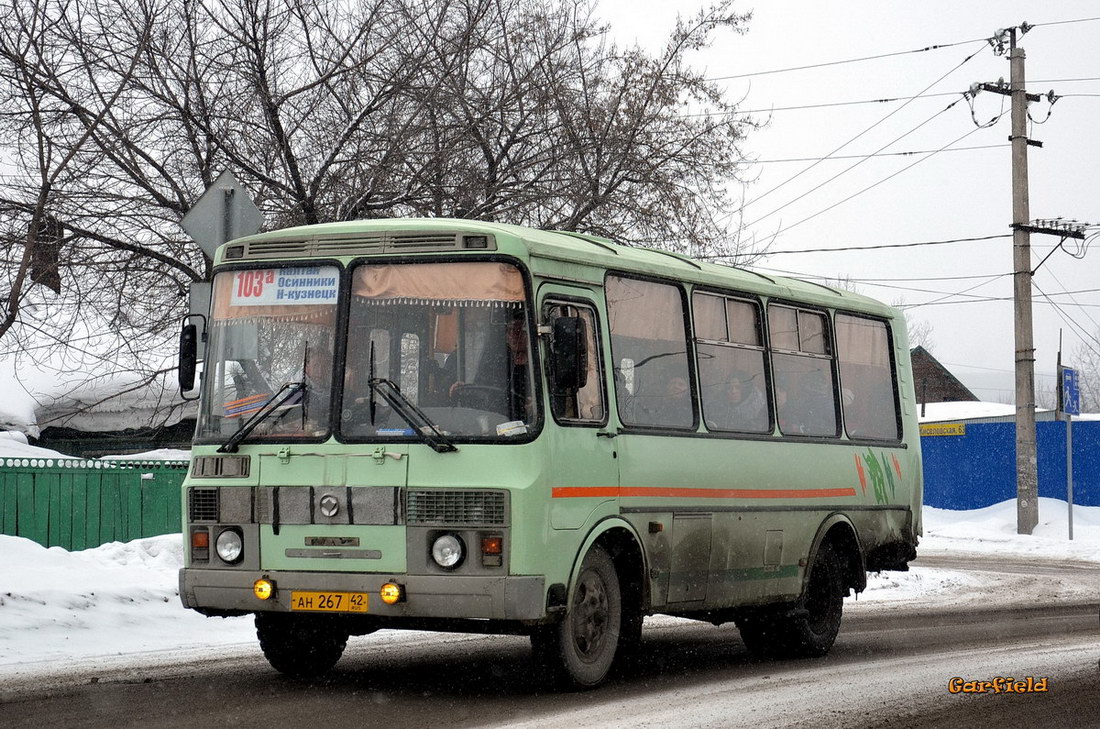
{"x": 229, "y": 545}
{"x": 448, "y": 551}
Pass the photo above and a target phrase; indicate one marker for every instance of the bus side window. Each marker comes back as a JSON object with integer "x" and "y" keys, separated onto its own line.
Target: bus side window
{"x": 586, "y": 403}
{"x": 647, "y": 327}
{"x": 866, "y": 374}
{"x": 802, "y": 362}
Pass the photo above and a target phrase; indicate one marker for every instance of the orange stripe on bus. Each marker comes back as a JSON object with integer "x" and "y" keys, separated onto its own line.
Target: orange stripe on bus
{"x": 571, "y": 492}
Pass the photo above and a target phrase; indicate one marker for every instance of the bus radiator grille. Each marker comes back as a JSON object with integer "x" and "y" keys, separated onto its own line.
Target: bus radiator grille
{"x": 440, "y": 507}
{"x": 202, "y": 505}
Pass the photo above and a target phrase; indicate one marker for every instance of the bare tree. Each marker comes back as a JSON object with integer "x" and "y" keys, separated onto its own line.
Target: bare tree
{"x": 119, "y": 113}
{"x": 920, "y": 332}
{"x": 1086, "y": 360}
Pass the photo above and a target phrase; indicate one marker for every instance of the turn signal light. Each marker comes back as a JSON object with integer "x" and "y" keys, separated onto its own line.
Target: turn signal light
{"x": 492, "y": 551}
{"x": 392, "y": 593}
{"x": 200, "y": 539}
{"x": 263, "y": 589}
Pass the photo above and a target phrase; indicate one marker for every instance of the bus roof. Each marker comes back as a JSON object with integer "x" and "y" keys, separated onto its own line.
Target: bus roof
{"x": 593, "y": 250}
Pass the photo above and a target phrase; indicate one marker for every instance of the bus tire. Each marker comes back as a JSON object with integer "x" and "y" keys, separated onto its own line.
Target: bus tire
{"x": 581, "y": 648}
{"x": 301, "y": 645}
{"x": 810, "y": 629}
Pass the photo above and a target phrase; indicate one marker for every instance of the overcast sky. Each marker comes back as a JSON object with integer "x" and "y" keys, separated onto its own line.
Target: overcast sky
{"x": 952, "y": 194}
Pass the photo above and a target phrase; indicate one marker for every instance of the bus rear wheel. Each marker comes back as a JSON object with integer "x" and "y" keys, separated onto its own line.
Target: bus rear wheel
{"x": 581, "y": 648}
{"x": 301, "y": 645}
{"x": 810, "y": 629}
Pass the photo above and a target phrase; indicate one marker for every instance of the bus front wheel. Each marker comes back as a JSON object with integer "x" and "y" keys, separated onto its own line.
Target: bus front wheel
{"x": 301, "y": 645}
{"x": 581, "y": 648}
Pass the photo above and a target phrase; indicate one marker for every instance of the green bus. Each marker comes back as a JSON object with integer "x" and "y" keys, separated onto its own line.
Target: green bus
{"x": 455, "y": 425}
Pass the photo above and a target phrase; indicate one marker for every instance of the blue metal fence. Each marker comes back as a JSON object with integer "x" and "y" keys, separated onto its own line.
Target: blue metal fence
{"x": 978, "y": 469}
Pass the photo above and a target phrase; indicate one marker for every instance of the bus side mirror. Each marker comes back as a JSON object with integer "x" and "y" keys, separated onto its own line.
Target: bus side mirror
{"x": 568, "y": 354}
{"x": 189, "y": 347}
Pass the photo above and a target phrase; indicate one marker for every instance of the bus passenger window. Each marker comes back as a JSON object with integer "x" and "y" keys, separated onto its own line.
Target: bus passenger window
{"x": 730, "y": 353}
{"x": 866, "y": 374}
{"x": 646, "y": 320}
{"x": 802, "y": 363}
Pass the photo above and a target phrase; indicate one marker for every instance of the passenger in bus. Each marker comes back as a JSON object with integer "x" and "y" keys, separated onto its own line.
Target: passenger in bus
{"x": 786, "y": 410}
{"x": 740, "y": 405}
{"x": 675, "y": 406}
{"x": 804, "y": 404}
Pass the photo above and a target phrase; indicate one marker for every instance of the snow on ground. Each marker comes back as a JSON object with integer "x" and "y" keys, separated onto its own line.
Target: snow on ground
{"x": 13, "y": 444}
{"x": 160, "y": 454}
{"x": 107, "y": 603}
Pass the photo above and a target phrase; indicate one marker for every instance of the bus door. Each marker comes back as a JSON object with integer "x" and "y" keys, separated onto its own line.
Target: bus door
{"x": 581, "y": 454}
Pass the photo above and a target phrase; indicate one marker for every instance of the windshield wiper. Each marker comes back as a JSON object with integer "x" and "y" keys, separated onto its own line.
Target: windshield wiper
{"x": 290, "y": 388}
{"x": 420, "y": 423}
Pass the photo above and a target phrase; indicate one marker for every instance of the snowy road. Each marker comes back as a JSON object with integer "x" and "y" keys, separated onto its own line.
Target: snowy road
{"x": 887, "y": 665}
{"x": 98, "y": 639}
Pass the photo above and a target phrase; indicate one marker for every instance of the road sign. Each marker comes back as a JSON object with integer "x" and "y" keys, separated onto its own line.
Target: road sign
{"x": 1071, "y": 391}
{"x": 224, "y": 212}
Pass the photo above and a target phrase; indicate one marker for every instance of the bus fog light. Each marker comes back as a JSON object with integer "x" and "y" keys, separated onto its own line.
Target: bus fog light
{"x": 392, "y": 593}
{"x": 263, "y": 589}
{"x": 448, "y": 551}
{"x": 229, "y": 545}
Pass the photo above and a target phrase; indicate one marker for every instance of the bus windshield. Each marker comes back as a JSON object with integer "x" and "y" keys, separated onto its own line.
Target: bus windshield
{"x": 269, "y": 328}
{"x": 452, "y": 337}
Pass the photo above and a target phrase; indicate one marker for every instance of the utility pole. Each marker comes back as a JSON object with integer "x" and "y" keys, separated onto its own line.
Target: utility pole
{"x": 1027, "y": 477}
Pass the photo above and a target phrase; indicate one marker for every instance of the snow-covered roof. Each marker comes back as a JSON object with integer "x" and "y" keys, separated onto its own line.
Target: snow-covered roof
{"x": 40, "y": 397}
{"x": 938, "y": 412}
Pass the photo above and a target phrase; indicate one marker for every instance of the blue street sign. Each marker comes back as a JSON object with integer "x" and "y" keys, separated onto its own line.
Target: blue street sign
{"x": 1071, "y": 391}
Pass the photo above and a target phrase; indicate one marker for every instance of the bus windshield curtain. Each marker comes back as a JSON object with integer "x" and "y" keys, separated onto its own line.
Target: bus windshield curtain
{"x": 485, "y": 283}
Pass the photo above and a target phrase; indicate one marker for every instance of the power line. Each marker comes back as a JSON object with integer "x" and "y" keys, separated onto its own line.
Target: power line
{"x": 823, "y": 106}
{"x": 842, "y": 172}
{"x": 800, "y": 274}
{"x": 874, "y": 185}
{"x": 943, "y": 299}
{"x": 1063, "y": 80}
{"x": 861, "y": 247}
{"x": 1080, "y": 330}
{"x": 882, "y": 154}
{"x": 1064, "y": 22}
{"x": 1070, "y": 294}
{"x": 853, "y": 139}
{"x": 990, "y": 369}
{"x": 849, "y": 60}
{"x": 984, "y": 300}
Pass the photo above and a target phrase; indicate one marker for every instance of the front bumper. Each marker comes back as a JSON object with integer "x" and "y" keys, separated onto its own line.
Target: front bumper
{"x": 426, "y": 596}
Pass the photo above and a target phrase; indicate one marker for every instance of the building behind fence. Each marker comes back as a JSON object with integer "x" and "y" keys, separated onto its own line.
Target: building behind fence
{"x": 79, "y": 504}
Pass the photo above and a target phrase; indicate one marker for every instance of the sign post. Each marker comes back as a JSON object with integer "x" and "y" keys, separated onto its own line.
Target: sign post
{"x": 1069, "y": 404}
{"x": 224, "y": 212}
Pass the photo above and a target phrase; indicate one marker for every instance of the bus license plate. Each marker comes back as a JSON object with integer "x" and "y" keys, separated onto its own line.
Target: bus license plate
{"x": 329, "y": 602}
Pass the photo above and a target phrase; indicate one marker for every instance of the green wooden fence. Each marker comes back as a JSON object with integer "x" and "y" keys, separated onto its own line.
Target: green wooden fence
{"x": 78, "y": 504}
